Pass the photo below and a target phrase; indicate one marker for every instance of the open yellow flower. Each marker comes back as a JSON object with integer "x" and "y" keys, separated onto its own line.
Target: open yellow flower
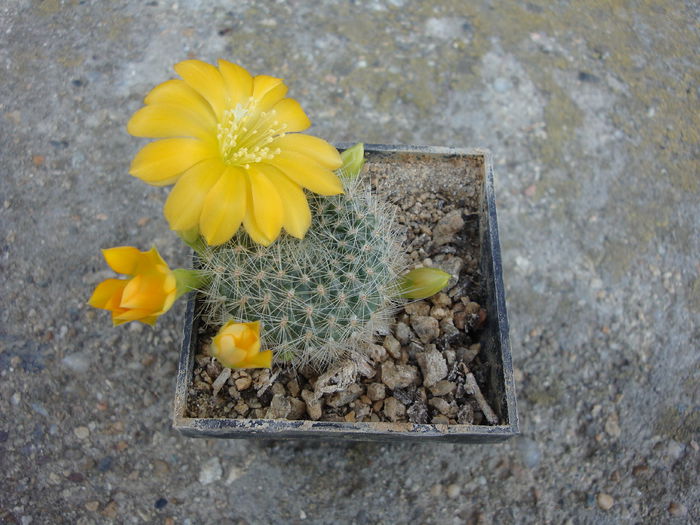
{"x": 237, "y": 345}
{"x": 149, "y": 292}
{"x": 228, "y": 142}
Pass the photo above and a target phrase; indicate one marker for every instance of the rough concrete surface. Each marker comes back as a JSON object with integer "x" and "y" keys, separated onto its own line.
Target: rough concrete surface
{"x": 591, "y": 111}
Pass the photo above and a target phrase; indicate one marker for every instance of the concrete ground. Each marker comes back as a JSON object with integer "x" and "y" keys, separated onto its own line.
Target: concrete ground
{"x": 591, "y": 111}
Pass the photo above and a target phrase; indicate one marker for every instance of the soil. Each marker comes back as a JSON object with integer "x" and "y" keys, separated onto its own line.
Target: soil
{"x": 428, "y": 368}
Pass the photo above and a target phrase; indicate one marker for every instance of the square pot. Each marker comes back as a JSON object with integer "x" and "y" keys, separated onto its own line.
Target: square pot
{"x": 462, "y": 168}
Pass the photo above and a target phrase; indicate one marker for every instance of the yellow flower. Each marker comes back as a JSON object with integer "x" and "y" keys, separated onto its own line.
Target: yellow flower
{"x": 149, "y": 292}
{"x": 237, "y": 345}
{"x": 229, "y": 145}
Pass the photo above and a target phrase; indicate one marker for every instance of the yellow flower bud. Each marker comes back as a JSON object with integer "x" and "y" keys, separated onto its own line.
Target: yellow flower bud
{"x": 149, "y": 292}
{"x": 237, "y": 345}
{"x": 353, "y": 160}
{"x": 423, "y": 282}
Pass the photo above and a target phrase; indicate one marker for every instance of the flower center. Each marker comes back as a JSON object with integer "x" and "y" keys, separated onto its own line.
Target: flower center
{"x": 245, "y": 133}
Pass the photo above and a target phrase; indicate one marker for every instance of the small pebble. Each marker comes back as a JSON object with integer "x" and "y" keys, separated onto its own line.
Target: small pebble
{"x": 398, "y": 376}
{"x": 446, "y": 228}
{"x": 427, "y": 328}
{"x": 436, "y": 490}
{"x": 604, "y": 501}
{"x": 376, "y": 391}
{"x": 298, "y": 409}
{"x": 677, "y": 509}
{"x": 394, "y": 409}
{"x": 403, "y": 333}
{"x": 280, "y": 406}
{"x": 92, "y": 506}
{"x": 433, "y": 366}
{"x": 418, "y": 308}
{"x": 392, "y": 345}
{"x": 243, "y": 383}
{"x": 612, "y": 426}
{"x": 440, "y": 404}
{"x": 211, "y": 471}
{"x": 443, "y": 387}
{"x": 453, "y": 491}
{"x": 81, "y": 432}
{"x": 160, "y": 503}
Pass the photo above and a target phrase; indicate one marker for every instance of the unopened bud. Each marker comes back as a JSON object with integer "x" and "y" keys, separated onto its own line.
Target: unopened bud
{"x": 423, "y": 282}
{"x": 353, "y": 160}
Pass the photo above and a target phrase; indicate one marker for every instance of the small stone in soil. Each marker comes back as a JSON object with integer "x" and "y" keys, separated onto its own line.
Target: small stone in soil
{"x": 403, "y": 333}
{"x": 443, "y": 387}
{"x": 427, "y": 328}
{"x": 441, "y": 405}
{"x": 298, "y": 408}
{"x": 447, "y": 227}
{"x": 314, "y": 407}
{"x": 376, "y": 391}
{"x": 243, "y": 383}
{"x": 418, "y": 308}
{"x": 398, "y": 376}
{"x": 279, "y": 407}
{"x": 344, "y": 397}
{"x": 392, "y": 345}
{"x": 433, "y": 366}
{"x": 394, "y": 409}
{"x": 376, "y": 353}
{"x": 448, "y": 328}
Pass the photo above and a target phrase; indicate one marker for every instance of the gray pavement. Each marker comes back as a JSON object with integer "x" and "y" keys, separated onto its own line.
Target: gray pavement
{"x": 591, "y": 111}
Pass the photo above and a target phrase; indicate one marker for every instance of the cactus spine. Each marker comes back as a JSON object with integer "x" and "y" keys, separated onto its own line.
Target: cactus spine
{"x": 318, "y": 299}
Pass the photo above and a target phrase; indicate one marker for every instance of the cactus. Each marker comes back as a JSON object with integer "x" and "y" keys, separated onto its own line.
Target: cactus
{"x": 321, "y": 298}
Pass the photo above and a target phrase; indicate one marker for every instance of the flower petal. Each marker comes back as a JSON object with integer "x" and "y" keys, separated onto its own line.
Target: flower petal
{"x": 123, "y": 259}
{"x": 161, "y": 162}
{"x": 207, "y": 81}
{"x": 239, "y": 83}
{"x": 146, "y": 291}
{"x": 224, "y": 207}
{"x": 266, "y": 204}
{"x": 131, "y": 315}
{"x": 176, "y": 92}
{"x": 268, "y": 91}
{"x": 313, "y": 147}
{"x": 184, "y": 205}
{"x": 106, "y": 292}
{"x": 297, "y": 216}
{"x": 290, "y": 112}
{"x": 259, "y": 360}
{"x": 164, "y": 120}
{"x": 307, "y": 173}
{"x": 253, "y": 230}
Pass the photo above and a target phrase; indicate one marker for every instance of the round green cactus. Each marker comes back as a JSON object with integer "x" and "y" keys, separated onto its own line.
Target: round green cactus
{"x": 318, "y": 299}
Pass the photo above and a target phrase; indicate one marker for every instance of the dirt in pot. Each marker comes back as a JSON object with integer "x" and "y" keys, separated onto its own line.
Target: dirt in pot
{"x": 427, "y": 369}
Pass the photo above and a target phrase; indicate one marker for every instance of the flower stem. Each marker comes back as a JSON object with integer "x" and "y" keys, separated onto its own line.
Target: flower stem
{"x": 189, "y": 280}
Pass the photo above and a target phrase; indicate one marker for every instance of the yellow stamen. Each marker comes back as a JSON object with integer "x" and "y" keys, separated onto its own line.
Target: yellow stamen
{"x": 244, "y": 134}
